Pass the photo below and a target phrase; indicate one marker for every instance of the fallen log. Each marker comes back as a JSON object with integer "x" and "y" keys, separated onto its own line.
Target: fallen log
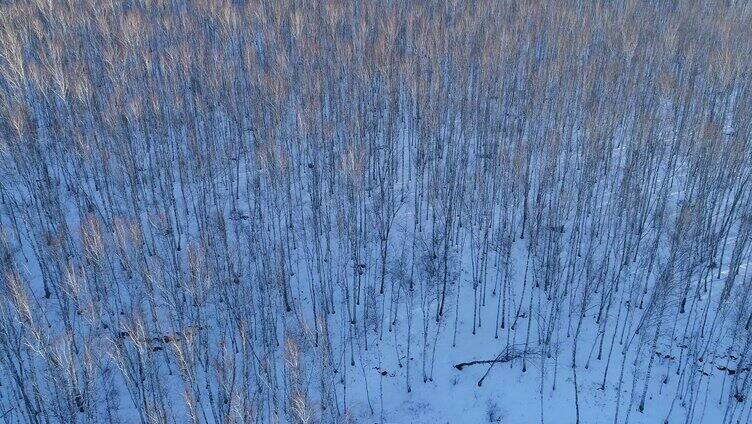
{"x": 462, "y": 365}
{"x": 506, "y": 355}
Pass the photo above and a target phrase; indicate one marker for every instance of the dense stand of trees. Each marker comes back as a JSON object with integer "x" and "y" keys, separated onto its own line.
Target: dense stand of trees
{"x": 213, "y": 210}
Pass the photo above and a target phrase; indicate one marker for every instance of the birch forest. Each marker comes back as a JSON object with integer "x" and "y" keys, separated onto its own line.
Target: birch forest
{"x": 375, "y": 211}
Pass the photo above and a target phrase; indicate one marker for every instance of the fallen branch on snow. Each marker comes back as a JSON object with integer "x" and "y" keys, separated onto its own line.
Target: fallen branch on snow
{"x": 506, "y": 355}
